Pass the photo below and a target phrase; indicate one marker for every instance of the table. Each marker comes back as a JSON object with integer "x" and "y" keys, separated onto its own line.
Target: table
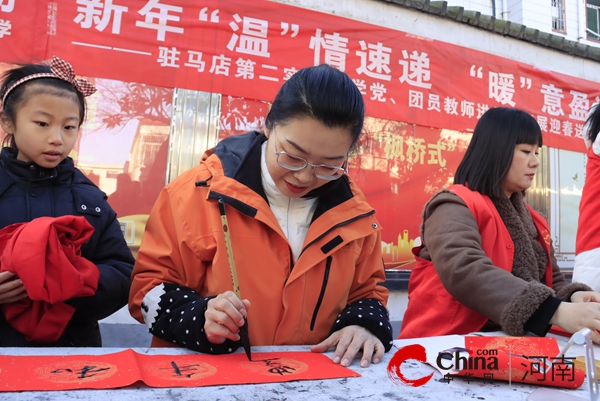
{"x": 374, "y": 383}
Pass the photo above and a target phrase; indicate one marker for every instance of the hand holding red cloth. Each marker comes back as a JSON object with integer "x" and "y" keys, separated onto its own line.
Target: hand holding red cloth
{"x": 46, "y": 255}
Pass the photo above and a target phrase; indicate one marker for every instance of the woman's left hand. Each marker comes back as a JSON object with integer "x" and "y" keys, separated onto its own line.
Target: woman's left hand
{"x": 348, "y": 342}
{"x": 585, "y": 296}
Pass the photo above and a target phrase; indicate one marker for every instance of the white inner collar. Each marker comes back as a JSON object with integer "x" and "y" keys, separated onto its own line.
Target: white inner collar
{"x": 293, "y": 214}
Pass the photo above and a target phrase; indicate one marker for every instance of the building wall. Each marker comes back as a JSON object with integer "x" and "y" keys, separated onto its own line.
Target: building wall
{"x": 514, "y": 10}
{"x": 572, "y": 19}
{"x": 537, "y": 14}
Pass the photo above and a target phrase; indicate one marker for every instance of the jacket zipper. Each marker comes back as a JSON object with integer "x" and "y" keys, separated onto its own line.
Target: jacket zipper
{"x": 322, "y": 294}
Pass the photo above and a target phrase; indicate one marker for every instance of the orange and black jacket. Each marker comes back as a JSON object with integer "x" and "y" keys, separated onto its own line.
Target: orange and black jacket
{"x": 182, "y": 261}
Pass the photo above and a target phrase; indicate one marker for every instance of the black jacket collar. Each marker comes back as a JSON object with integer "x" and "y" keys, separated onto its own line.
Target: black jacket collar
{"x": 30, "y": 171}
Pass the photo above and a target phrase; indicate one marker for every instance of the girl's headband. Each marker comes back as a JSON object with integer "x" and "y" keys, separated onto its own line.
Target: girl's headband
{"x": 61, "y": 70}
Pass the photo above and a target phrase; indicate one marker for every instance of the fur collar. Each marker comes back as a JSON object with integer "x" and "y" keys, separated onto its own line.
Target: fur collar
{"x": 530, "y": 258}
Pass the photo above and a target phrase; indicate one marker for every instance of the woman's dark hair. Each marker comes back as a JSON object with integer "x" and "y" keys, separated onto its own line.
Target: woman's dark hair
{"x": 321, "y": 92}
{"x": 491, "y": 150}
{"x": 19, "y": 95}
{"x": 593, "y": 123}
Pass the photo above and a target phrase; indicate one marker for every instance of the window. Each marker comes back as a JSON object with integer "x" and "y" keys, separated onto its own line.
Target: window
{"x": 593, "y": 18}
{"x": 558, "y": 16}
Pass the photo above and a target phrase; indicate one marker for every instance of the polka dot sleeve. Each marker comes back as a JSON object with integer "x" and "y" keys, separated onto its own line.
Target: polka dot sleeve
{"x": 175, "y": 313}
{"x": 370, "y": 314}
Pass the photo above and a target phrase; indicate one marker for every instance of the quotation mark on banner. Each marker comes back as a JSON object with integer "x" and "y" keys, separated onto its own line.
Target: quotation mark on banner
{"x": 285, "y": 27}
{"x": 526, "y": 82}
{"x": 214, "y": 16}
{"x": 479, "y": 71}
{"x": 7, "y": 8}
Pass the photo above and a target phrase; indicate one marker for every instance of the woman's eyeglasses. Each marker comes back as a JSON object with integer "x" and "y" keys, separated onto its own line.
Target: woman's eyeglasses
{"x": 297, "y": 163}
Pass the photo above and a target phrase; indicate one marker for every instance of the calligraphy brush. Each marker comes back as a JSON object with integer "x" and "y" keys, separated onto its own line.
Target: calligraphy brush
{"x": 236, "y": 287}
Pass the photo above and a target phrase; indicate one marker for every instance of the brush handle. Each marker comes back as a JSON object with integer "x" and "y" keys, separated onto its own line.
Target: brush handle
{"x": 232, "y": 269}
{"x": 244, "y": 336}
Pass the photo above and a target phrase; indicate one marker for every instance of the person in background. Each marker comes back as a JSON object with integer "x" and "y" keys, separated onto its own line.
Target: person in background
{"x": 486, "y": 262}
{"x": 43, "y": 108}
{"x": 306, "y": 244}
{"x": 587, "y": 245}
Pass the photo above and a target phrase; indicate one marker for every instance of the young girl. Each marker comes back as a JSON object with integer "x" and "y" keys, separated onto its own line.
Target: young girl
{"x": 305, "y": 242}
{"x": 587, "y": 247}
{"x": 43, "y": 108}
{"x": 487, "y": 262}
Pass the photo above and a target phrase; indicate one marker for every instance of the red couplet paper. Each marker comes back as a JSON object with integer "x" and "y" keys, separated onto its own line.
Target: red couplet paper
{"x": 530, "y": 360}
{"x": 23, "y": 373}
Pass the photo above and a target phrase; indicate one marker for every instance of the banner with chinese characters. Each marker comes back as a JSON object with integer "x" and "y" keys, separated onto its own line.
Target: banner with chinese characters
{"x": 24, "y": 30}
{"x": 22, "y": 373}
{"x": 248, "y": 49}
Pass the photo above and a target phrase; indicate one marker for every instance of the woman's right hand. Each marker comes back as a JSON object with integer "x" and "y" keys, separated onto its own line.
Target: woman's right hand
{"x": 574, "y": 316}
{"x": 224, "y": 316}
{"x": 11, "y": 288}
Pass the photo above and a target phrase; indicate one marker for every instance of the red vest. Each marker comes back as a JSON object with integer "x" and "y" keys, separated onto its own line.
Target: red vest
{"x": 589, "y": 224}
{"x": 432, "y": 311}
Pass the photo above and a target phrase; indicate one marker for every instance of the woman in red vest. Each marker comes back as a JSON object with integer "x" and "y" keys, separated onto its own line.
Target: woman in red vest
{"x": 587, "y": 246}
{"x": 486, "y": 262}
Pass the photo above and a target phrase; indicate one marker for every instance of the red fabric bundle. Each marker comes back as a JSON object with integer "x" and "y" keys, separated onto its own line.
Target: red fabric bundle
{"x": 46, "y": 255}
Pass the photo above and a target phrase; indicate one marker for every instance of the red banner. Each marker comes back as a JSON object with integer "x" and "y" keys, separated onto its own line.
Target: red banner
{"x": 24, "y": 28}
{"x": 247, "y": 49}
{"x": 54, "y": 372}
